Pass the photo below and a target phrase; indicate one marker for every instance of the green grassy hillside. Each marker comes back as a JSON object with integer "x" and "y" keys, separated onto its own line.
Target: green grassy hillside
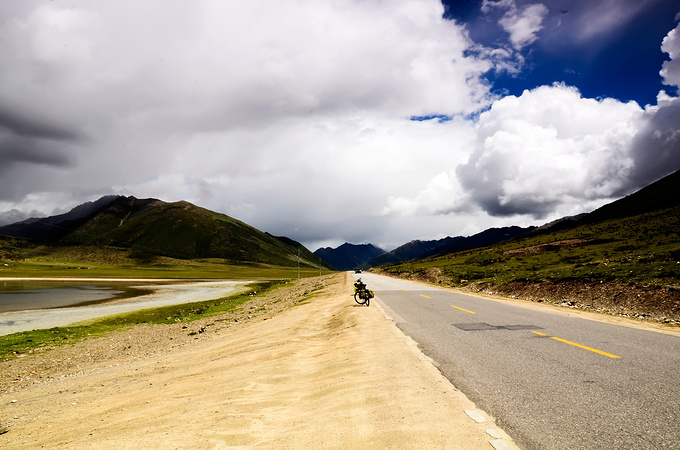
{"x": 150, "y": 235}
{"x": 180, "y": 230}
{"x": 627, "y": 266}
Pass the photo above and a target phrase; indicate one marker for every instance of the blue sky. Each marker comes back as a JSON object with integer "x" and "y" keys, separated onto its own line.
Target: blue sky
{"x": 618, "y": 58}
{"x": 327, "y": 121}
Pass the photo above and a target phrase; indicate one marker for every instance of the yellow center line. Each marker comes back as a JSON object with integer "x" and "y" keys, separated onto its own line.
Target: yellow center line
{"x": 466, "y": 310}
{"x": 424, "y": 296}
{"x": 577, "y": 345}
{"x": 406, "y": 289}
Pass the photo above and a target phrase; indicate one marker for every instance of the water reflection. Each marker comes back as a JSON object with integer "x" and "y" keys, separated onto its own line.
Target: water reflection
{"x": 26, "y": 295}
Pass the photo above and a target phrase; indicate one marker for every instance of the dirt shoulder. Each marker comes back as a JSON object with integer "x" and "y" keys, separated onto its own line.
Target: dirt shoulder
{"x": 303, "y": 368}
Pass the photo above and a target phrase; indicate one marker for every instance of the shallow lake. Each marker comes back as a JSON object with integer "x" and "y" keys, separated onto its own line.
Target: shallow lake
{"x": 26, "y": 295}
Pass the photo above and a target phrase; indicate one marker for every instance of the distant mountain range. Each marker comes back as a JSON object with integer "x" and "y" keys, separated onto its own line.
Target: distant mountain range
{"x": 177, "y": 230}
{"x": 349, "y": 256}
{"x": 411, "y": 250}
{"x": 662, "y": 194}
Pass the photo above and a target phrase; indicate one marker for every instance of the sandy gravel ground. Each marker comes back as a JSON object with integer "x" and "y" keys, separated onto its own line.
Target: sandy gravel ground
{"x": 302, "y": 368}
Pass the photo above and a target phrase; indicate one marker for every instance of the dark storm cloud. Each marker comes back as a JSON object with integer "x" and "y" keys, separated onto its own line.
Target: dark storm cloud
{"x": 23, "y": 124}
{"x": 26, "y": 138}
{"x": 656, "y": 148}
{"x": 490, "y": 199}
{"x": 29, "y": 139}
{"x": 18, "y": 149}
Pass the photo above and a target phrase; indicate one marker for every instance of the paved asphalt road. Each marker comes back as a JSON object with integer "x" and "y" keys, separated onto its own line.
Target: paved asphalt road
{"x": 551, "y": 380}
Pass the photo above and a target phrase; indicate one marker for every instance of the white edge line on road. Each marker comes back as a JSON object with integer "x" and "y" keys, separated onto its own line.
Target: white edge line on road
{"x": 388, "y": 312}
{"x": 475, "y": 415}
{"x": 499, "y": 444}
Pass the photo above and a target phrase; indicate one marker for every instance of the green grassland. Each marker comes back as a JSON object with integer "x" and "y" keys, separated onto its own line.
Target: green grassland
{"x": 640, "y": 252}
{"x": 22, "y": 258}
{"x": 200, "y": 269}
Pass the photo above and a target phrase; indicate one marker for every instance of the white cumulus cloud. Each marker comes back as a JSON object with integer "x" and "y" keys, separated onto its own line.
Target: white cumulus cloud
{"x": 524, "y": 24}
{"x": 670, "y": 72}
{"x": 550, "y": 150}
{"x": 521, "y": 23}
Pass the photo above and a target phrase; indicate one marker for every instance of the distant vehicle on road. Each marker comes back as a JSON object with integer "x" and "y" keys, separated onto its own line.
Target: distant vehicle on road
{"x": 357, "y": 270}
